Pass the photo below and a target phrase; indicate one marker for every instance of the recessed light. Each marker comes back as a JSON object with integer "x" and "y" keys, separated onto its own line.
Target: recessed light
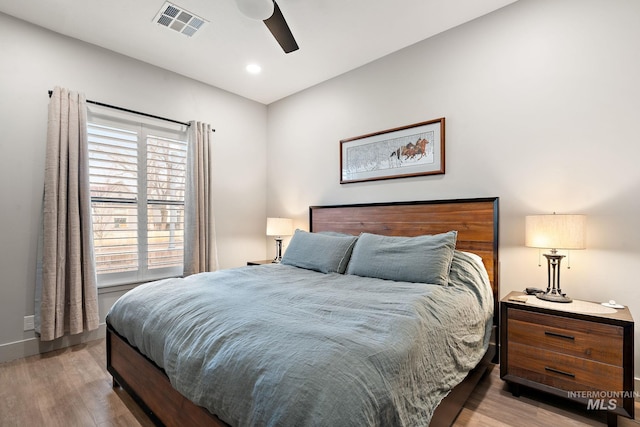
{"x": 254, "y": 68}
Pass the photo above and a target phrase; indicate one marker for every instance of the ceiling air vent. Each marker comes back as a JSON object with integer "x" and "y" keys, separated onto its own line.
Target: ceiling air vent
{"x": 178, "y": 19}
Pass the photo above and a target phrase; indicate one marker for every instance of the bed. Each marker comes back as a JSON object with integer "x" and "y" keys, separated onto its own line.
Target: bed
{"x": 315, "y": 373}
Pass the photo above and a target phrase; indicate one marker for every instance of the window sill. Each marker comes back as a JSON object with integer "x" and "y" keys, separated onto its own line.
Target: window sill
{"x": 107, "y": 289}
{"x": 120, "y": 287}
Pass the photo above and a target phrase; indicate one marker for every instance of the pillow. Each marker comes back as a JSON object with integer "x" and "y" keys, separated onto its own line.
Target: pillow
{"x": 421, "y": 259}
{"x": 320, "y": 252}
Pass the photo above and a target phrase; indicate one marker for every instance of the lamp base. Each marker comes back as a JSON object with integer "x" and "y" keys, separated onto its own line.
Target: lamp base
{"x": 278, "y": 257}
{"x": 553, "y": 296}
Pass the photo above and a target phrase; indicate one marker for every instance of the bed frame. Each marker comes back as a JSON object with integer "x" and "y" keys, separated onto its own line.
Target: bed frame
{"x": 476, "y": 221}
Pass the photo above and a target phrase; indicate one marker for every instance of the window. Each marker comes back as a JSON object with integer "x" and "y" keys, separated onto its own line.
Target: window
{"x": 137, "y": 179}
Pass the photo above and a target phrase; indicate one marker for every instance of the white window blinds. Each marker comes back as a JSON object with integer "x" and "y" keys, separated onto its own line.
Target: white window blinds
{"x": 137, "y": 177}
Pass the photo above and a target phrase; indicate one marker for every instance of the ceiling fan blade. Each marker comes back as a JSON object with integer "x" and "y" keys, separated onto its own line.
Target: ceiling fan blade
{"x": 280, "y": 30}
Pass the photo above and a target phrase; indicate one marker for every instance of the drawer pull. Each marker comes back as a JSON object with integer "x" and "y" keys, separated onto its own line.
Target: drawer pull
{"x": 558, "y": 371}
{"x": 557, "y": 335}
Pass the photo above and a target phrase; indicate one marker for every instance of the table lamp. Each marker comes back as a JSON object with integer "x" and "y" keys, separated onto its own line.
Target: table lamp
{"x": 279, "y": 227}
{"x": 555, "y": 232}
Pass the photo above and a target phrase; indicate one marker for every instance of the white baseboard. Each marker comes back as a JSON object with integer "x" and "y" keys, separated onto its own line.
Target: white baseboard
{"x": 33, "y": 346}
{"x": 30, "y": 345}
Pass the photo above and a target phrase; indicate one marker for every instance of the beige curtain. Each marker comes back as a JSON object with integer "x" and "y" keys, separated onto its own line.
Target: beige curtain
{"x": 66, "y": 295}
{"x": 200, "y": 253}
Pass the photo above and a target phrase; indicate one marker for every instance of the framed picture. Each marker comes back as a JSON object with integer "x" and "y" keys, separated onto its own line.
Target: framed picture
{"x": 412, "y": 150}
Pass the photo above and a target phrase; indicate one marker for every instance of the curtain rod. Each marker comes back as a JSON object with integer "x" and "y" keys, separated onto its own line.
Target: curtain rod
{"x": 101, "y": 104}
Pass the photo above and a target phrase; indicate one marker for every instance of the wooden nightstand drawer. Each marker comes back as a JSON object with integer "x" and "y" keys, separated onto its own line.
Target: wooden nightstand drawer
{"x": 561, "y": 370}
{"x": 581, "y": 338}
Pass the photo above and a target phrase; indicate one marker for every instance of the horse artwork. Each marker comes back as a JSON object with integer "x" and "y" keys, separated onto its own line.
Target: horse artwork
{"x": 411, "y": 150}
{"x": 408, "y": 151}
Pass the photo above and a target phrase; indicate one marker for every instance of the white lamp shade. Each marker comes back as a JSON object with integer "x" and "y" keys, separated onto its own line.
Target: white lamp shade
{"x": 556, "y": 231}
{"x": 256, "y": 9}
{"x": 279, "y": 227}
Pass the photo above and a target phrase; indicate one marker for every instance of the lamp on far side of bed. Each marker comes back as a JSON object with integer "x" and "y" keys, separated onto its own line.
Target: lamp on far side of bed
{"x": 555, "y": 232}
{"x": 279, "y": 227}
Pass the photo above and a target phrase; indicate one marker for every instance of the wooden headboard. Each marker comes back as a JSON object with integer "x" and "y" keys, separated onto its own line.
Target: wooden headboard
{"x": 475, "y": 220}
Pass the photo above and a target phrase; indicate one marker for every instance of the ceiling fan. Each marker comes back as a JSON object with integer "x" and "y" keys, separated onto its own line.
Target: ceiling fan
{"x": 269, "y": 12}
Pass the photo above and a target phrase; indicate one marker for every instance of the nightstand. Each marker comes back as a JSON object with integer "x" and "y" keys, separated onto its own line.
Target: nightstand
{"x": 260, "y": 262}
{"x": 581, "y": 351}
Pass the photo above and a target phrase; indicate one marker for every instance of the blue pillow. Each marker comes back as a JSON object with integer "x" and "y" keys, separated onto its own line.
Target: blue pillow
{"x": 321, "y": 252}
{"x": 421, "y": 259}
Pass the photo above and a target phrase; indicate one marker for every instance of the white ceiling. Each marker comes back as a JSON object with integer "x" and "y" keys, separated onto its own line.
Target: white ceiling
{"x": 334, "y": 36}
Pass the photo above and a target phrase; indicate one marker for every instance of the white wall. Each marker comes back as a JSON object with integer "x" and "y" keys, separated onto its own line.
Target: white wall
{"x": 542, "y": 103}
{"x": 35, "y": 60}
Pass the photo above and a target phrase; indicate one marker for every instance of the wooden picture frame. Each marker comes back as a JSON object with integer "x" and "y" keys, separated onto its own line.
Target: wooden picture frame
{"x": 412, "y": 150}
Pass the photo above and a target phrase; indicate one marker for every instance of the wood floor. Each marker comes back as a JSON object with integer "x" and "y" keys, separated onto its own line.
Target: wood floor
{"x": 71, "y": 387}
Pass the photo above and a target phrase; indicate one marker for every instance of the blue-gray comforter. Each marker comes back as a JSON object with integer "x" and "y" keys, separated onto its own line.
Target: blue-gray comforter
{"x": 277, "y": 345}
